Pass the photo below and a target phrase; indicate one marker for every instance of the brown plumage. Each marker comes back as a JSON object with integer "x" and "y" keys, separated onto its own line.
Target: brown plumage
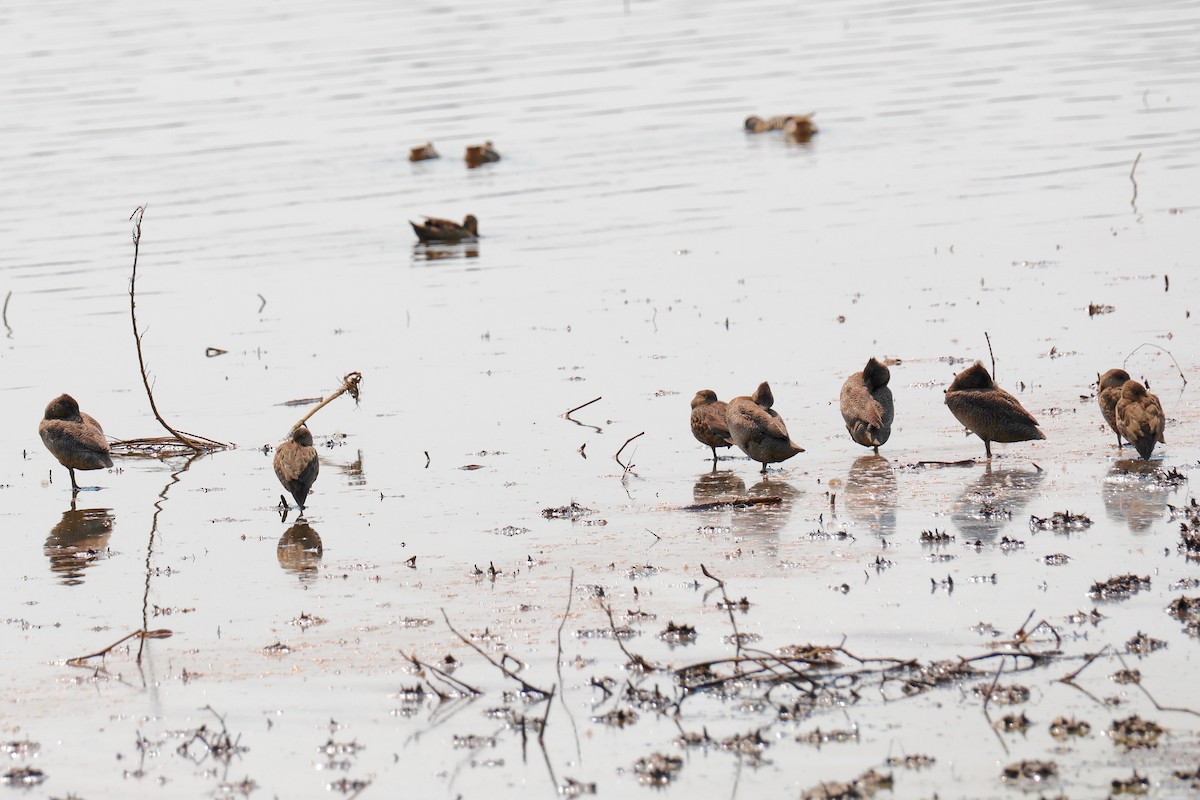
{"x": 988, "y": 411}
{"x": 867, "y": 406}
{"x": 708, "y": 421}
{"x": 1140, "y": 418}
{"x": 74, "y": 438}
{"x": 423, "y": 152}
{"x": 798, "y": 127}
{"x": 296, "y": 465}
{"x": 1109, "y": 395}
{"x": 480, "y": 154}
{"x": 436, "y": 229}
{"x": 759, "y": 431}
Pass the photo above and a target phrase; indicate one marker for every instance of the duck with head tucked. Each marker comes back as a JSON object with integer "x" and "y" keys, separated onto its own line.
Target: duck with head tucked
{"x": 867, "y": 406}
{"x": 436, "y": 229}
{"x": 478, "y": 154}
{"x": 74, "y": 438}
{"x": 296, "y": 465}
{"x": 1140, "y": 418}
{"x": 988, "y": 411}
{"x": 757, "y": 430}
{"x": 1109, "y": 394}
{"x": 423, "y": 152}
{"x": 708, "y": 421}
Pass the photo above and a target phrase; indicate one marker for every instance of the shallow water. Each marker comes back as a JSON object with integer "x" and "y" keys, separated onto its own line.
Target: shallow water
{"x": 972, "y": 174}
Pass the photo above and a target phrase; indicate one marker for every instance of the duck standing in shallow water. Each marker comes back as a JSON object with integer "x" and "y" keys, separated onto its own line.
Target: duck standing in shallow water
{"x": 1109, "y": 395}
{"x": 1140, "y": 418}
{"x": 988, "y": 411}
{"x": 74, "y": 438}
{"x": 435, "y": 229}
{"x": 759, "y": 431}
{"x": 867, "y": 405}
{"x": 296, "y": 465}
{"x": 708, "y": 421}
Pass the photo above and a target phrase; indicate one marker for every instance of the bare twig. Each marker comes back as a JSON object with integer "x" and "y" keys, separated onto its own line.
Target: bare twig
{"x": 7, "y": 297}
{"x": 1133, "y": 180}
{"x": 465, "y": 688}
{"x": 737, "y": 636}
{"x": 525, "y": 687}
{"x": 196, "y": 444}
{"x": 584, "y": 405}
{"x": 992, "y": 354}
{"x": 161, "y": 633}
{"x": 617, "y": 457}
{"x": 349, "y": 384}
{"x": 736, "y": 502}
{"x": 1165, "y": 350}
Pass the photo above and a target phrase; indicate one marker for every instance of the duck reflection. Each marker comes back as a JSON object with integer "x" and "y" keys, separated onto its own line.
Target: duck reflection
{"x": 299, "y": 551}
{"x": 354, "y": 471}
{"x": 79, "y": 540}
{"x": 714, "y": 486}
{"x": 770, "y": 520}
{"x": 869, "y": 496}
{"x": 994, "y": 499}
{"x": 1132, "y": 494}
{"x": 444, "y": 251}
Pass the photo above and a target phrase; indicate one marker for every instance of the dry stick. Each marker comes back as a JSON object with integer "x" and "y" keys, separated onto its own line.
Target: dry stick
{"x": 633, "y": 659}
{"x": 349, "y": 384}
{"x": 993, "y": 355}
{"x": 558, "y": 659}
{"x": 446, "y": 676}
{"x": 737, "y": 636}
{"x": 160, "y": 633}
{"x": 1165, "y": 350}
{"x": 737, "y": 502}
{"x": 573, "y": 410}
{"x": 526, "y": 687}
{"x": 627, "y": 441}
{"x": 1151, "y": 698}
{"x": 194, "y": 443}
{"x": 1133, "y": 180}
{"x": 7, "y": 297}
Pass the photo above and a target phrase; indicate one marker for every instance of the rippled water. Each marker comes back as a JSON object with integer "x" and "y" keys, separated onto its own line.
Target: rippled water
{"x": 975, "y": 171}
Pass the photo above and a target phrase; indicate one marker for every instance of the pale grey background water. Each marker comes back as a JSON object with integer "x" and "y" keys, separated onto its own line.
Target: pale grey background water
{"x": 971, "y": 175}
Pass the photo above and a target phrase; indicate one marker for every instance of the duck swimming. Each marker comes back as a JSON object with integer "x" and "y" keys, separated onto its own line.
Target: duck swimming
{"x": 436, "y": 229}
{"x": 988, "y": 411}
{"x": 708, "y": 421}
{"x": 480, "y": 154}
{"x": 423, "y": 152}
{"x": 74, "y": 438}
{"x": 1140, "y": 418}
{"x": 1109, "y": 395}
{"x": 296, "y": 465}
{"x": 867, "y": 406}
{"x": 758, "y": 430}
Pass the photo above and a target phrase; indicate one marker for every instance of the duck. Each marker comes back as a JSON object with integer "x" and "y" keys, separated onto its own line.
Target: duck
{"x": 480, "y": 154}
{"x": 1109, "y": 394}
{"x": 867, "y": 406}
{"x": 708, "y": 421}
{"x": 436, "y": 229}
{"x": 423, "y": 152}
{"x": 296, "y": 465}
{"x": 757, "y": 430}
{"x": 800, "y": 128}
{"x": 1140, "y": 418}
{"x": 988, "y": 411}
{"x": 73, "y": 437}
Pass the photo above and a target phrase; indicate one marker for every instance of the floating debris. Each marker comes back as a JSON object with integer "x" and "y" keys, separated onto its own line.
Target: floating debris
{"x": 472, "y": 742}
{"x": 695, "y": 740}
{"x": 936, "y": 537}
{"x": 23, "y": 776}
{"x": 277, "y": 649}
{"x": 742, "y": 605}
{"x": 657, "y": 769}
{"x": 864, "y": 786}
{"x": 21, "y": 749}
{"x": 1057, "y": 559}
{"x": 1060, "y": 521}
{"x": 306, "y": 621}
{"x": 1036, "y": 771}
{"x": 619, "y": 718}
{"x": 913, "y": 762}
{"x": 1133, "y": 785}
{"x": 1187, "y": 611}
{"x": 1143, "y": 644}
{"x": 1082, "y": 617}
{"x": 1098, "y": 308}
{"x": 572, "y": 511}
{"x": 1126, "y": 676}
{"x": 1066, "y": 727}
{"x": 1135, "y": 733}
{"x": 511, "y": 530}
{"x": 415, "y": 622}
{"x": 1003, "y": 695}
{"x": 572, "y": 788}
{"x": 1120, "y": 587}
{"x": 812, "y": 655}
{"x": 1013, "y": 723}
{"x": 678, "y": 634}
{"x": 332, "y": 748}
{"x": 819, "y": 737}
{"x": 1007, "y": 544}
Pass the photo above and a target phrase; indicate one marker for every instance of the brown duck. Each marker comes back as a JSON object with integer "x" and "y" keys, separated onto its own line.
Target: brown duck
{"x": 480, "y": 154}
{"x": 988, "y": 411}
{"x": 759, "y": 431}
{"x": 867, "y": 405}
{"x": 423, "y": 152}
{"x": 74, "y": 438}
{"x": 296, "y": 465}
{"x": 1140, "y": 418}
{"x": 1109, "y": 395}
{"x": 435, "y": 229}
{"x": 708, "y": 421}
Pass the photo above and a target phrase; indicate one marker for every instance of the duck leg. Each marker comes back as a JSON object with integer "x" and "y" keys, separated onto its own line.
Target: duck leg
{"x": 988, "y": 447}
{"x": 74, "y": 485}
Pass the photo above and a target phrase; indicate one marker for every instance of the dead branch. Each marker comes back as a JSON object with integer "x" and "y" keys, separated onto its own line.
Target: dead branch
{"x": 349, "y": 384}
{"x": 558, "y": 660}
{"x": 525, "y": 687}
{"x": 634, "y": 661}
{"x": 1165, "y": 350}
{"x": 197, "y": 444}
{"x": 7, "y": 297}
{"x": 465, "y": 688}
{"x": 161, "y": 633}
{"x": 736, "y": 502}
{"x": 1133, "y": 180}
{"x": 737, "y": 636}
{"x": 993, "y": 355}
{"x": 617, "y": 457}
{"x": 567, "y": 414}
